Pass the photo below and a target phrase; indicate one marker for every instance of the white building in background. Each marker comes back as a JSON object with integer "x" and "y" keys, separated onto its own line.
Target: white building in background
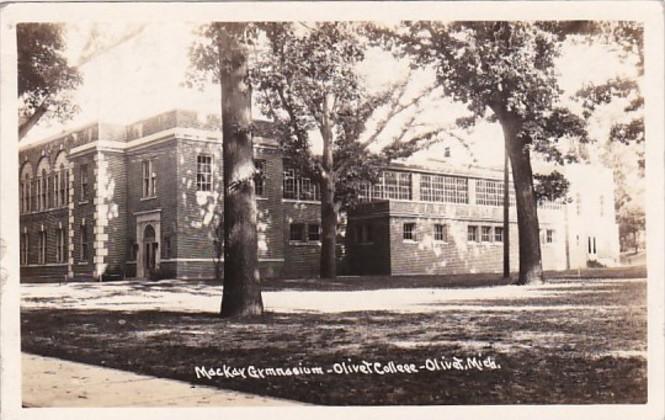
{"x": 593, "y": 231}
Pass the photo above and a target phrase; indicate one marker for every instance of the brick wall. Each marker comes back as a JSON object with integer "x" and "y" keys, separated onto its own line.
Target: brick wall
{"x": 111, "y": 227}
{"x": 368, "y": 256}
{"x": 83, "y": 212}
{"x": 302, "y": 258}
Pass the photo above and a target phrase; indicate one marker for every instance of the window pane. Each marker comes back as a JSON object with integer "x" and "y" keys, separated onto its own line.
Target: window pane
{"x": 259, "y": 177}
{"x": 472, "y": 234}
{"x": 313, "y": 232}
{"x": 498, "y": 234}
{"x": 486, "y": 234}
{"x": 297, "y": 232}
{"x": 409, "y": 231}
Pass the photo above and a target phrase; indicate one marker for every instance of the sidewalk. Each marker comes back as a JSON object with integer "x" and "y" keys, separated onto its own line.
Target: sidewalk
{"x": 49, "y": 382}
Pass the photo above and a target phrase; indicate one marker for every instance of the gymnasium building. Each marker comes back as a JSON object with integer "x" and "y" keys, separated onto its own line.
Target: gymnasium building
{"x": 107, "y": 202}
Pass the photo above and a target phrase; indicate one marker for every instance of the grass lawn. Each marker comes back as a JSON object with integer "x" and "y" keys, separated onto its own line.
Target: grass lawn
{"x": 569, "y": 341}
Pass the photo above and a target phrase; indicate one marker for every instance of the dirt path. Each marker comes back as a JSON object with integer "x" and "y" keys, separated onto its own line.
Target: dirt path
{"x": 50, "y": 382}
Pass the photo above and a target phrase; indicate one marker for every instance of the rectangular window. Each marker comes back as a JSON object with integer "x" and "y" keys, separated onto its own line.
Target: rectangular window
{"x": 84, "y": 242}
{"x": 498, "y": 234}
{"x": 204, "y": 173}
{"x": 441, "y": 233}
{"x": 25, "y": 246}
{"x": 486, "y": 233}
{"x": 166, "y": 249}
{"x": 549, "y": 236}
{"x": 21, "y": 197}
{"x": 409, "y": 231}
{"x": 60, "y": 245}
{"x": 602, "y": 205}
{"x": 489, "y": 192}
{"x": 42, "y": 247}
{"x": 392, "y": 185}
{"x": 472, "y": 234}
{"x": 298, "y": 187}
{"x": 38, "y": 193}
{"x": 50, "y": 184}
{"x": 260, "y": 177}
{"x": 149, "y": 179}
{"x": 297, "y": 232}
{"x": 289, "y": 183}
{"x": 55, "y": 189}
{"x": 313, "y": 232}
{"x": 44, "y": 190}
{"x": 444, "y": 189}
{"x": 83, "y": 195}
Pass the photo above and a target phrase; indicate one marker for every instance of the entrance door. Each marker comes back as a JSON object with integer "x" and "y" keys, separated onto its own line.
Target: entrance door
{"x": 592, "y": 255}
{"x": 149, "y": 250}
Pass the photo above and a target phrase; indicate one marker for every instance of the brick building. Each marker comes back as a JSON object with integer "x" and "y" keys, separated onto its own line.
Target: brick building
{"x": 144, "y": 200}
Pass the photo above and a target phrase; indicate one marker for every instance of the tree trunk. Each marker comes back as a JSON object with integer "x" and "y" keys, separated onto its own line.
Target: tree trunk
{"x": 242, "y": 282}
{"x": 27, "y": 125}
{"x": 506, "y": 214}
{"x": 531, "y": 267}
{"x": 328, "y": 268}
{"x": 328, "y": 230}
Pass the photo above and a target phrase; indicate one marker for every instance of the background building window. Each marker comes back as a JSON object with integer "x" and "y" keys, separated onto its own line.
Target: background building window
{"x": 313, "y": 232}
{"x": 441, "y": 233}
{"x": 83, "y": 195}
{"x": 44, "y": 191}
{"x": 490, "y": 193}
{"x": 486, "y": 233}
{"x": 297, "y": 232}
{"x": 259, "y": 177}
{"x": 472, "y": 234}
{"x": 60, "y": 245}
{"x": 84, "y": 242}
{"x": 392, "y": 185}
{"x": 498, "y": 234}
{"x": 204, "y": 173}
{"x": 42, "y": 247}
{"x": 602, "y": 205}
{"x": 549, "y": 236}
{"x": 25, "y": 246}
{"x": 409, "y": 231}
{"x": 166, "y": 249}
{"x": 444, "y": 189}
{"x": 298, "y": 187}
{"x": 149, "y": 179}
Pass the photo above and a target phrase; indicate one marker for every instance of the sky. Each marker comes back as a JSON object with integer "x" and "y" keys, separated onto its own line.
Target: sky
{"x": 145, "y": 76}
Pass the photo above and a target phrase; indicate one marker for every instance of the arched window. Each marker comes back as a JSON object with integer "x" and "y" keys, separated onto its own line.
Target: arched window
{"x": 42, "y": 183}
{"x": 61, "y": 181}
{"x": 26, "y": 187}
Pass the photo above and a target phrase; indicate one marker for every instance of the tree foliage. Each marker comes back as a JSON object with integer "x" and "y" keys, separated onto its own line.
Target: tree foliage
{"x": 307, "y": 82}
{"x": 306, "y": 68}
{"x": 45, "y": 78}
{"x": 505, "y": 72}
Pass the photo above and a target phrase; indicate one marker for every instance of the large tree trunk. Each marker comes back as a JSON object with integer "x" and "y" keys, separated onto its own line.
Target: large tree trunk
{"x": 242, "y": 283}
{"x": 531, "y": 267}
{"x": 328, "y": 268}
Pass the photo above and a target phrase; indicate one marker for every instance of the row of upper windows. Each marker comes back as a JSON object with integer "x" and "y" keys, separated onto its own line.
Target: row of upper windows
{"x": 50, "y": 191}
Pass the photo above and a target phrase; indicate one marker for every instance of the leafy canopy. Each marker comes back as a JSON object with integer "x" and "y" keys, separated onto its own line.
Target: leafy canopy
{"x": 44, "y": 76}
{"x": 307, "y": 81}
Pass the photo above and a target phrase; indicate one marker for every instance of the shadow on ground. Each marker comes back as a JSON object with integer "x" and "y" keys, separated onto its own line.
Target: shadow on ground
{"x": 579, "y": 346}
